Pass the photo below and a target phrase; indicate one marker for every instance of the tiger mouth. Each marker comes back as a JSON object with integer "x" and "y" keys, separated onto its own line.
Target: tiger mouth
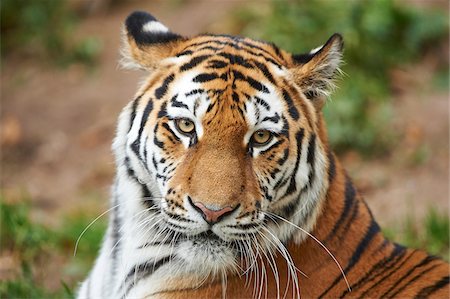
{"x": 208, "y": 237}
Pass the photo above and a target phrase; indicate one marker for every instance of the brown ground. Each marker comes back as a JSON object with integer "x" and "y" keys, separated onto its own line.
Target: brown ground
{"x": 57, "y": 125}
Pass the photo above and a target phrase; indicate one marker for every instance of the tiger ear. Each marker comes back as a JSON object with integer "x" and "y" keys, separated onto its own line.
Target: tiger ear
{"x": 147, "y": 41}
{"x": 316, "y": 71}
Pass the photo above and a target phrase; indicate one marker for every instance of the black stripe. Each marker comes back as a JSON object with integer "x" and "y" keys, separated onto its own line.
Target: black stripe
{"x": 425, "y": 261}
{"x": 263, "y": 68}
{"x": 331, "y": 167}
{"x": 167, "y": 127}
{"x": 135, "y": 146}
{"x": 274, "y": 146}
{"x": 426, "y": 292}
{"x": 193, "y": 62}
{"x": 143, "y": 271}
{"x": 348, "y": 203}
{"x": 237, "y": 46}
{"x": 162, "y": 90}
{"x": 253, "y": 46}
{"x": 214, "y": 49}
{"x": 235, "y": 97}
{"x": 115, "y": 235}
{"x": 293, "y": 184}
{"x": 146, "y": 153}
{"x": 252, "y": 82}
{"x": 147, "y": 196}
{"x": 257, "y": 85}
{"x": 163, "y": 111}
{"x": 363, "y": 295}
{"x": 236, "y": 59}
{"x": 154, "y": 243}
{"x": 154, "y": 162}
{"x": 130, "y": 171}
{"x": 277, "y": 51}
{"x": 261, "y": 102}
{"x": 397, "y": 254}
{"x": 351, "y": 219}
{"x": 187, "y": 52}
{"x": 293, "y": 112}
{"x": 281, "y": 182}
{"x": 201, "y": 78}
{"x": 283, "y": 159}
{"x": 371, "y": 232}
{"x": 275, "y": 119}
{"x": 310, "y": 158}
{"x": 145, "y": 115}
{"x": 408, "y": 284}
{"x": 295, "y": 93}
{"x": 194, "y": 92}
{"x": 243, "y": 226}
{"x": 217, "y": 64}
{"x": 178, "y": 104}
{"x": 133, "y": 111}
{"x": 158, "y": 143}
{"x": 237, "y": 76}
{"x": 178, "y": 217}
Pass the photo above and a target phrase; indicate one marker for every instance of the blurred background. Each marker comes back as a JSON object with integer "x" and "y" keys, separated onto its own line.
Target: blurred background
{"x": 62, "y": 91}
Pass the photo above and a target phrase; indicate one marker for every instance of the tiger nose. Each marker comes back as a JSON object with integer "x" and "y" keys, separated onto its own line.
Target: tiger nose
{"x": 212, "y": 216}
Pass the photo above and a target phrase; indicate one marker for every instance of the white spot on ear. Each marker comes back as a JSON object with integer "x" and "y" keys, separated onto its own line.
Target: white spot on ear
{"x": 154, "y": 26}
{"x": 315, "y": 50}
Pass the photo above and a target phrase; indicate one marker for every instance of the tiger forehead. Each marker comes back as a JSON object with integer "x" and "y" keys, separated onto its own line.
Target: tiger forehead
{"x": 240, "y": 46}
{"x": 224, "y": 57}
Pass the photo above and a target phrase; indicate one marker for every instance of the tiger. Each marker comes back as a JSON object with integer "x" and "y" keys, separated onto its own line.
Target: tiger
{"x": 226, "y": 185}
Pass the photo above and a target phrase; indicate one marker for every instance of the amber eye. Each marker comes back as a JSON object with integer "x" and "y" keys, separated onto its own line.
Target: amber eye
{"x": 261, "y": 137}
{"x": 185, "y": 125}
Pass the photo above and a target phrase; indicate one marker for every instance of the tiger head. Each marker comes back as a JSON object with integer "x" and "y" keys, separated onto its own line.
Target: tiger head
{"x": 226, "y": 138}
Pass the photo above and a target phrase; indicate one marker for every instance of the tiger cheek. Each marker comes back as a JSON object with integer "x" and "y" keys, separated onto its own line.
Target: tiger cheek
{"x": 171, "y": 147}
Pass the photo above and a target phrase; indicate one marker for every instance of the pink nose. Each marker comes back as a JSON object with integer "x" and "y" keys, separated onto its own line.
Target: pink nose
{"x": 211, "y": 216}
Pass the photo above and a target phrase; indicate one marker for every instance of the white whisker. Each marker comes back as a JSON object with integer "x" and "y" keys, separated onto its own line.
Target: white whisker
{"x": 321, "y": 244}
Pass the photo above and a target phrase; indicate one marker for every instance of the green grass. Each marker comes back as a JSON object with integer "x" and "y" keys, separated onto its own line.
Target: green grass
{"x": 36, "y": 245}
{"x": 433, "y": 234}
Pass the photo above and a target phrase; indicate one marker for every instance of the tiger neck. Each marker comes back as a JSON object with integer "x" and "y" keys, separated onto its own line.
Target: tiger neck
{"x": 345, "y": 227}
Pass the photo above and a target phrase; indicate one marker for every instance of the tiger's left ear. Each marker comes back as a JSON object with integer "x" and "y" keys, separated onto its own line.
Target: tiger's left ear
{"x": 148, "y": 41}
{"x": 316, "y": 71}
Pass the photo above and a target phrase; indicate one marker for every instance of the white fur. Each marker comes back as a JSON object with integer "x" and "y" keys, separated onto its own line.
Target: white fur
{"x": 154, "y": 26}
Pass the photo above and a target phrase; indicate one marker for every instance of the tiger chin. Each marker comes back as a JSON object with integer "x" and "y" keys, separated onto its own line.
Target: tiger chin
{"x": 226, "y": 185}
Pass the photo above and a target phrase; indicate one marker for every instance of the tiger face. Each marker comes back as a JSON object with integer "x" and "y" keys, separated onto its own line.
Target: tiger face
{"x": 226, "y": 137}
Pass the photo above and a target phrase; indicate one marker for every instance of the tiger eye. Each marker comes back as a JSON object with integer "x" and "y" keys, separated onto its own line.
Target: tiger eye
{"x": 261, "y": 137}
{"x": 185, "y": 125}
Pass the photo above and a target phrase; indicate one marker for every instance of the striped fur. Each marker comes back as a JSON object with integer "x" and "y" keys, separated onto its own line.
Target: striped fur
{"x": 295, "y": 225}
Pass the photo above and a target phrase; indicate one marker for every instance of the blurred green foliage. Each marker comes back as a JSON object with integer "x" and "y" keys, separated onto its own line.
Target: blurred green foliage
{"x": 36, "y": 245}
{"x": 378, "y": 35}
{"x": 433, "y": 233}
{"x": 44, "y": 29}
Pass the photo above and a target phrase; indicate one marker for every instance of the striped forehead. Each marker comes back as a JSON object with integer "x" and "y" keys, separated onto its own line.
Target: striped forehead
{"x": 257, "y": 102}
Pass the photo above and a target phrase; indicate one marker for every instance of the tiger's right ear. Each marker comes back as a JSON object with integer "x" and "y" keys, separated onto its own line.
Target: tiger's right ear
{"x": 147, "y": 41}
